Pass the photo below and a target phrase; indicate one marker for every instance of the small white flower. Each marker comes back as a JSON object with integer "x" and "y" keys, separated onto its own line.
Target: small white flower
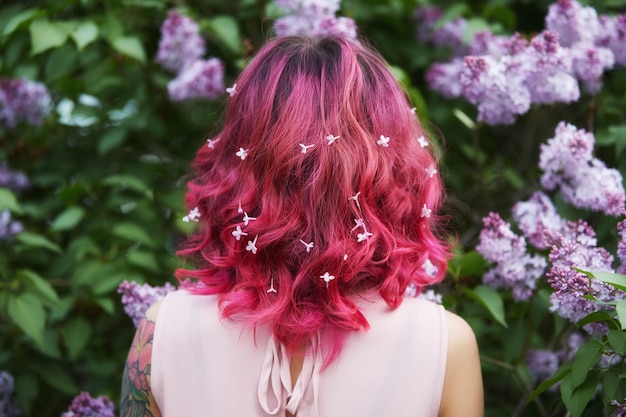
{"x": 242, "y": 153}
{"x": 331, "y": 139}
{"x": 422, "y": 141}
{"x": 309, "y": 245}
{"x": 362, "y": 237}
{"x": 239, "y": 209}
{"x": 430, "y": 269}
{"x": 251, "y": 246}
{"x": 246, "y": 218}
{"x": 425, "y": 212}
{"x": 431, "y": 171}
{"x": 232, "y": 90}
{"x": 383, "y": 141}
{"x": 305, "y": 147}
{"x": 327, "y": 278}
{"x": 345, "y": 256}
{"x": 413, "y": 111}
{"x": 238, "y": 233}
{"x": 193, "y": 215}
{"x": 272, "y": 289}
{"x": 359, "y": 223}
{"x": 211, "y": 142}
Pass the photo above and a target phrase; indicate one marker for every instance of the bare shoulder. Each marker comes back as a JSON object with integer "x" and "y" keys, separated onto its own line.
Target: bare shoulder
{"x": 463, "y": 385}
{"x": 153, "y": 311}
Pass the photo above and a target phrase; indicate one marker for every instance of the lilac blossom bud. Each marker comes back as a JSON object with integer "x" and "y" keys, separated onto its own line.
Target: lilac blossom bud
{"x": 486, "y": 43}
{"x": 612, "y": 35}
{"x": 83, "y": 405}
{"x": 537, "y": 215}
{"x": 180, "y": 44}
{"x": 589, "y": 63}
{"x": 573, "y": 22}
{"x": 138, "y": 298}
{"x": 584, "y": 181}
{"x": 23, "y": 100}
{"x": 542, "y": 363}
{"x": 620, "y": 408}
{"x": 444, "y": 77}
{"x": 199, "y": 80}
{"x": 8, "y": 227}
{"x": 13, "y": 180}
{"x": 335, "y": 26}
{"x": 621, "y": 246}
{"x": 449, "y": 34}
{"x": 514, "y": 268}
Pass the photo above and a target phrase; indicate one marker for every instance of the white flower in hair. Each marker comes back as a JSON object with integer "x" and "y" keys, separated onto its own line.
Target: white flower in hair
{"x": 193, "y": 215}
{"x": 272, "y": 289}
{"x": 431, "y": 171}
{"x": 331, "y": 139}
{"x": 251, "y": 246}
{"x": 383, "y": 141}
{"x": 425, "y": 212}
{"x": 362, "y": 237}
{"x": 309, "y": 245}
{"x": 327, "y": 278}
{"x": 239, "y": 209}
{"x": 422, "y": 141}
{"x": 246, "y": 218}
{"x": 211, "y": 142}
{"x": 359, "y": 223}
{"x": 242, "y": 153}
{"x": 232, "y": 90}
{"x": 345, "y": 256}
{"x": 414, "y": 111}
{"x": 355, "y": 198}
{"x": 238, "y": 233}
{"x": 305, "y": 147}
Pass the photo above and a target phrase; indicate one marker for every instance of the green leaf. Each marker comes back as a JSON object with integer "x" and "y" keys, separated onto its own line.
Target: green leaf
{"x": 76, "y": 334}
{"x": 131, "y": 182}
{"x": 26, "y": 389}
{"x": 41, "y": 286}
{"x": 576, "y": 400}
{"x": 132, "y": 232}
{"x": 84, "y": 33}
{"x": 617, "y": 340}
{"x": 68, "y": 219}
{"x": 58, "y": 378}
{"x": 616, "y": 280}
{"x": 490, "y": 299}
{"x": 129, "y": 46}
{"x": 28, "y": 314}
{"x": 596, "y": 316}
{"x": 37, "y": 241}
{"x": 45, "y": 35}
{"x": 62, "y": 62}
{"x": 610, "y": 385}
{"x": 561, "y": 373}
{"x": 143, "y": 259}
{"x": 225, "y": 28}
{"x": 111, "y": 139}
{"x": 585, "y": 358}
{"x": 17, "y": 20}
{"x": 8, "y": 201}
{"x": 620, "y": 308}
{"x": 106, "y": 304}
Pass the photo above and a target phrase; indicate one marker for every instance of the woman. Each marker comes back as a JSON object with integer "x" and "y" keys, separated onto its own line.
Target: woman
{"x": 317, "y": 209}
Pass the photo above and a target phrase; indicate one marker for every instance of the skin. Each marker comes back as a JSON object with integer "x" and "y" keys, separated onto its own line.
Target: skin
{"x": 462, "y": 392}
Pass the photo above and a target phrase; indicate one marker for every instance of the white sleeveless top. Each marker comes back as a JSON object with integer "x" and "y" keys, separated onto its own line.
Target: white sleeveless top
{"x": 203, "y": 366}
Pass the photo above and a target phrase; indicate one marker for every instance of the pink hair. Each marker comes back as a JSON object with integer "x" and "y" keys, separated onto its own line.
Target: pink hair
{"x": 298, "y": 91}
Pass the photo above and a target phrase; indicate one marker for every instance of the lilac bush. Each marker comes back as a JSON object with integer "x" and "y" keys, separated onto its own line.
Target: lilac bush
{"x": 83, "y": 405}
{"x": 314, "y": 18}
{"x": 137, "y": 298}
{"x": 13, "y": 180}
{"x": 22, "y": 100}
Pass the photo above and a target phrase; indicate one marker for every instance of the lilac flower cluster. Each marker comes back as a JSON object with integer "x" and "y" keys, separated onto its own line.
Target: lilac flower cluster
{"x": 8, "y": 406}
{"x": 180, "y": 50}
{"x": 13, "y": 180}
{"x": 514, "y": 268}
{"x": 568, "y": 164}
{"x": 138, "y": 298}
{"x": 504, "y": 76}
{"x": 23, "y": 100}
{"x": 314, "y": 18}
{"x": 83, "y": 405}
{"x": 8, "y": 226}
{"x": 620, "y": 408}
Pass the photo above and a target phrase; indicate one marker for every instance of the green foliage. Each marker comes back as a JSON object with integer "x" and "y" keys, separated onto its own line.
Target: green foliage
{"x": 108, "y": 167}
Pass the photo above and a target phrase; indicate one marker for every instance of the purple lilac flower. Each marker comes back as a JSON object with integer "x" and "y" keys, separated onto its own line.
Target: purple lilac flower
{"x": 180, "y": 44}
{"x": 496, "y": 86}
{"x": 584, "y": 181}
{"x": 537, "y": 215}
{"x": 486, "y": 43}
{"x": 431, "y": 295}
{"x": 549, "y": 76}
{"x": 621, "y": 246}
{"x": 314, "y": 18}
{"x": 83, "y": 405}
{"x": 589, "y": 63}
{"x": 23, "y": 100}
{"x": 571, "y": 287}
{"x": 13, "y": 180}
{"x": 137, "y": 298}
{"x": 449, "y": 34}
{"x": 542, "y": 363}
{"x": 8, "y": 227}
{"x": 199, "y": 80}
{"x": 573, "y": 22}
{"x": 514, "y": 268}
{"x": 620, "y": 408}
{"x": 8, "y": 405}
{"x": 612, "y": 35}
{"x": 444, "y": 77}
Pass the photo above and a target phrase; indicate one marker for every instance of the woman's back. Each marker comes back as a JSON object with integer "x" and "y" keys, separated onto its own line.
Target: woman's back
{"x": 202, "y": 365}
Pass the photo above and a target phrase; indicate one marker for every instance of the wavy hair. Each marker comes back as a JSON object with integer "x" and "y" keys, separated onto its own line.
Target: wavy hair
{"x": 320, "y": 146}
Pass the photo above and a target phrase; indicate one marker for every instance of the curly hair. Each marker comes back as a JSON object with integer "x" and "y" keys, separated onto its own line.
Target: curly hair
{"x": 320, "y": 185}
